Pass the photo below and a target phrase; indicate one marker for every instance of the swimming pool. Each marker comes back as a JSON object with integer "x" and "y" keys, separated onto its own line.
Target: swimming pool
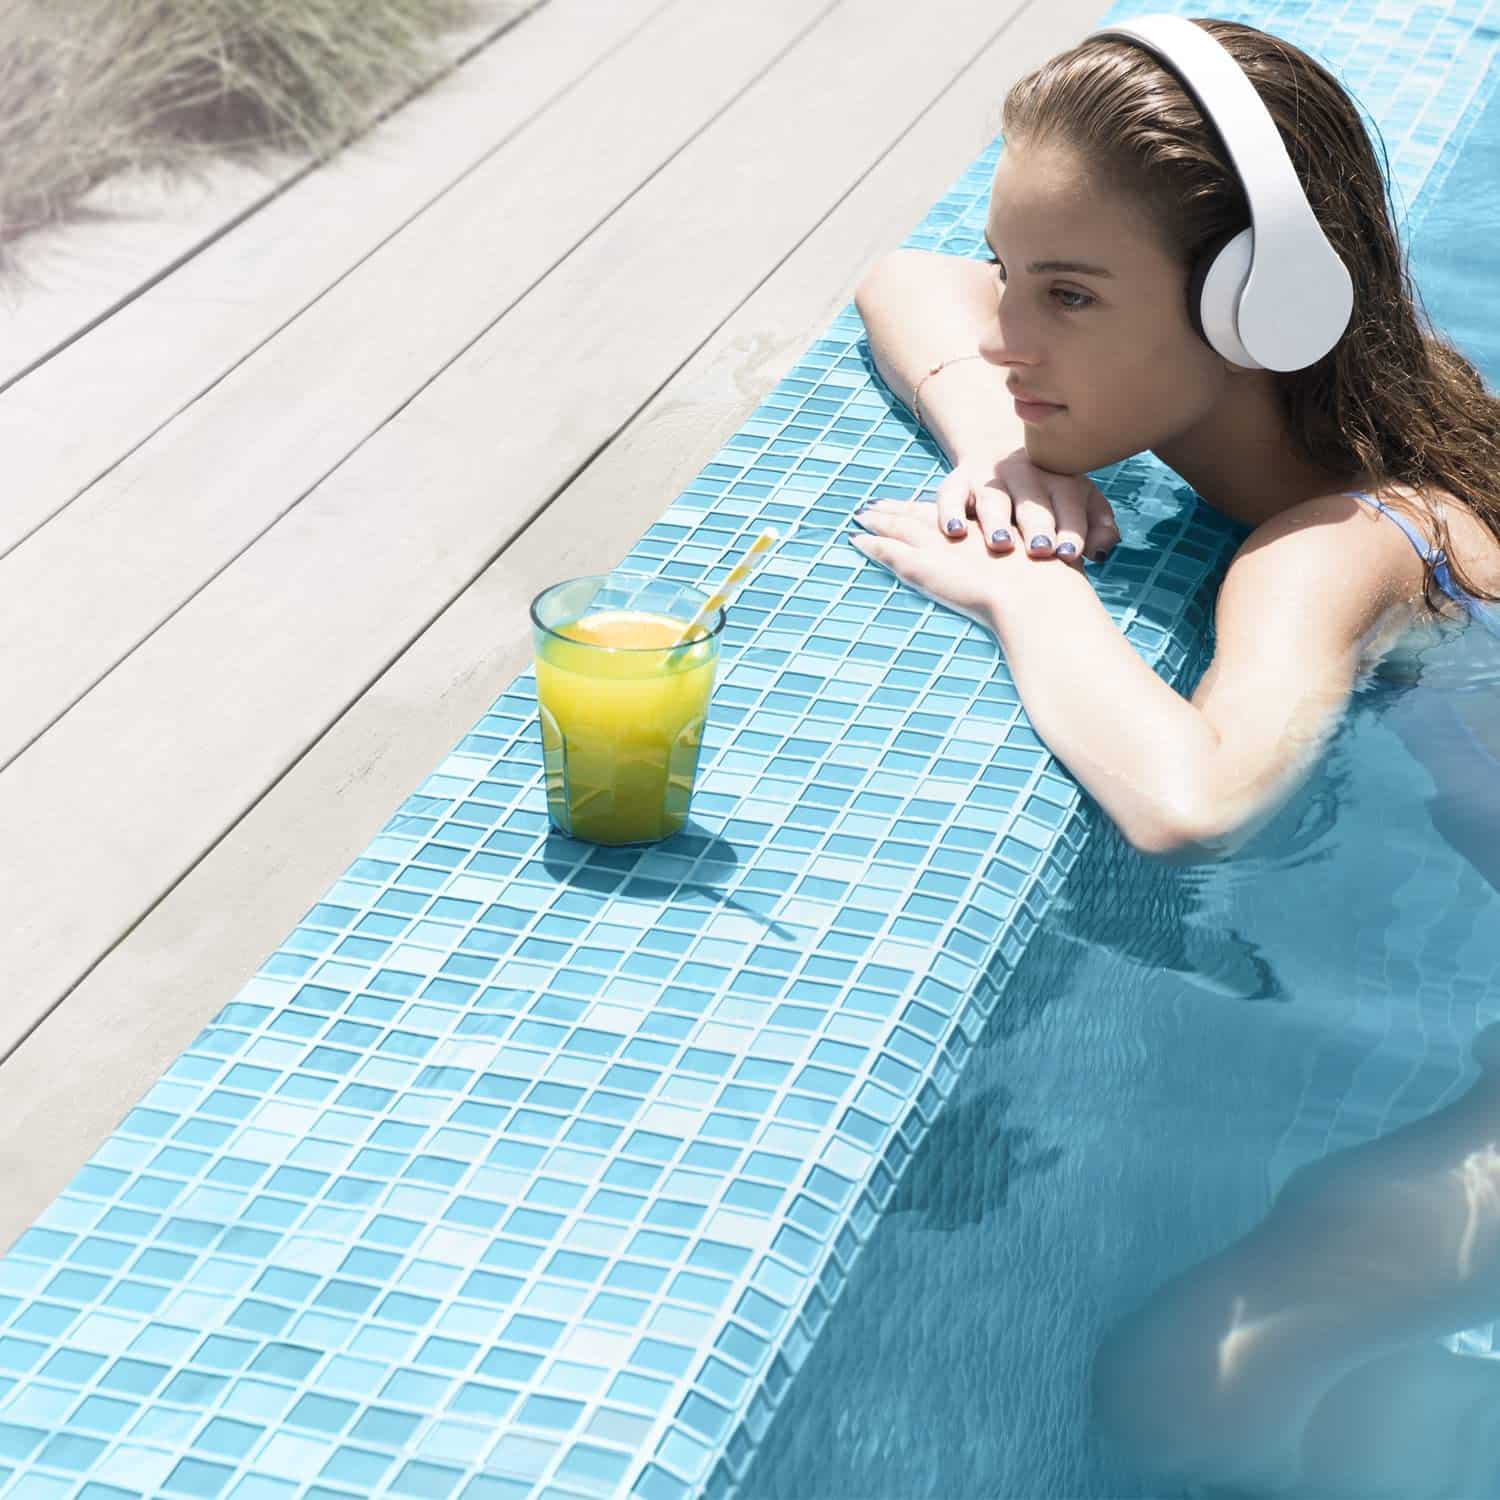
{"x": 291, "y": 1261}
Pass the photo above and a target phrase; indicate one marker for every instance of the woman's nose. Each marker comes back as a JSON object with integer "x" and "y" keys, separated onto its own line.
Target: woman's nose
{"x": 1009, "y": 340}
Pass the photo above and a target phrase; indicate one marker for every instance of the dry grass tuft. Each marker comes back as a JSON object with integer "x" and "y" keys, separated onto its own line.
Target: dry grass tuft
{"x": 91, "y": 87}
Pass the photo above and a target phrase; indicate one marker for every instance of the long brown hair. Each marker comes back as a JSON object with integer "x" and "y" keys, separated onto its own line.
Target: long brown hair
{"x": 1393, "y": 400}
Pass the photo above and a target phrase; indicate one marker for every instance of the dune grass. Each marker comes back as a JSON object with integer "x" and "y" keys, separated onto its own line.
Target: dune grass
{"x": 89, "y": 88}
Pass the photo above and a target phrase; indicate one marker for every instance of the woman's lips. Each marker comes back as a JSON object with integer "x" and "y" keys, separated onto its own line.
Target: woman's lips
{"x": 1036, "y": 411}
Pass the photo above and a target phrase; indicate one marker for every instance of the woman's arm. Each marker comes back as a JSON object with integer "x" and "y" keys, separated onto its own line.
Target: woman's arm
{"x": 920, "y": 307}
{"x": 1190, "y": 779}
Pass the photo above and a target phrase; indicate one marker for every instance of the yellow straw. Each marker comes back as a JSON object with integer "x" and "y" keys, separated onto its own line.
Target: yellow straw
{"x": 732, "y": 584}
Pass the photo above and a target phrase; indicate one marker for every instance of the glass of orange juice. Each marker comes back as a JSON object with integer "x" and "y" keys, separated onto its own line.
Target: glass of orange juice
{"x": 622, "y": 708}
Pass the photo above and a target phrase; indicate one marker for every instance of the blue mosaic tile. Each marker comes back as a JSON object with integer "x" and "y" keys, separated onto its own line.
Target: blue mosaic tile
{"x": 524, "y": 1168}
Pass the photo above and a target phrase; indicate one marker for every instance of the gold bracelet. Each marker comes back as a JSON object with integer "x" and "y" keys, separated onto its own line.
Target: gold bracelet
{"x": 942, "y": 364}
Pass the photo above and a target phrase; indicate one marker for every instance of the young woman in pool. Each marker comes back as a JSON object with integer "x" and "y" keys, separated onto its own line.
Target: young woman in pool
{"x": 1303, "y": 1359}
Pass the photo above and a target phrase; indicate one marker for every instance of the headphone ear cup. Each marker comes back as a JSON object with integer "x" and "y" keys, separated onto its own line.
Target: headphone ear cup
{"x": 1214, "y": 287}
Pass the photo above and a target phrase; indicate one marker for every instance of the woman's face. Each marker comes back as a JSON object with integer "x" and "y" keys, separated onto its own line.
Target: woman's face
{"x": 1091, "y": 316}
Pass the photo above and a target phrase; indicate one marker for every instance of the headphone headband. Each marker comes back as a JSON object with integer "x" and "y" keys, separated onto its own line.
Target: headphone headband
{"x": 1294, "y": 302}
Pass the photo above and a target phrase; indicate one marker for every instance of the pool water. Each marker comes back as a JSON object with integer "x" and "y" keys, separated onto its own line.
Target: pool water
{"x": 1177, "y": 1041}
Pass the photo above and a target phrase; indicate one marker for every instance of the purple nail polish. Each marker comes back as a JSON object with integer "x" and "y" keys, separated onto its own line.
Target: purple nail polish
{"x": 1068, "y": 549}
{"x": 1040, "y": 543}
{"x": 954, "y": 526}
{"x": 999, "y": 537}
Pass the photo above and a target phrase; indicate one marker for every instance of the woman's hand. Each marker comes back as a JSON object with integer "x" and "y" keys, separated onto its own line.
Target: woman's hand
{"x": 1056, "y": 515}
{"x": 961, "y": 572}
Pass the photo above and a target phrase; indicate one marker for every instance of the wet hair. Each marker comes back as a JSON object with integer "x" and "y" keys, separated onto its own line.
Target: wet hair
{"x": 1393, "y": 400}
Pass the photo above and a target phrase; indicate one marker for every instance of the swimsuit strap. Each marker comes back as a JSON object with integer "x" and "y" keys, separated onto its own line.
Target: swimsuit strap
{"x": 1487, "y": 615}
{"x": 1433, "y": 555}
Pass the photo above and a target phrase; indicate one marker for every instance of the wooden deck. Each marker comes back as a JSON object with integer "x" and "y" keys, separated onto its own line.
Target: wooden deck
{"x": 270, "y": 527}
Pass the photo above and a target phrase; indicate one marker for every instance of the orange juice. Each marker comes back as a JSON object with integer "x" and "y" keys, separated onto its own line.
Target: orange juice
{"x": 622, "y": 714}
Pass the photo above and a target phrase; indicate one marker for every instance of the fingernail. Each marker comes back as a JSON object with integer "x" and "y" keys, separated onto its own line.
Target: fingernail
{"x": 1040, "y": 543}
{"x": 1068, "y": 549}
{"x": 999, "y": 538}
{"x": 954, "y": 526}
{"x": 1102, "y": 554}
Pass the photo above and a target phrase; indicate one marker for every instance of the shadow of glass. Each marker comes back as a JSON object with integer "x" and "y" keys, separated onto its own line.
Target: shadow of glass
{"x": 693, "y": 867}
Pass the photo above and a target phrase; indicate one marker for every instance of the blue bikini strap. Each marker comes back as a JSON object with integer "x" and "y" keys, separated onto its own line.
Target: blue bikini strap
{"x": 1437, "y": 558}
{"x": 1433, "y": 555}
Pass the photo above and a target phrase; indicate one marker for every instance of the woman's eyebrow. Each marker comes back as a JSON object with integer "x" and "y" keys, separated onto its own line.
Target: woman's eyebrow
{"x": 1077, "y": 267}
{"x": 1044, "y": 267}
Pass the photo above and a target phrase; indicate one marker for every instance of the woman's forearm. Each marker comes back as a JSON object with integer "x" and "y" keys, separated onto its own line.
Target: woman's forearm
{"x": 1141, "y": 750}
{"x": 920, "y": 308}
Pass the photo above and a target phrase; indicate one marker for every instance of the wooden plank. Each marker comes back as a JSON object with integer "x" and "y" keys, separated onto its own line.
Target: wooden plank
{"x": 82, "y": 593}
{"x": 167, "y": 346}
{"x": 152, "y": 767}
{"x": 146, "y": 1000}
{"x": 128, "y": 233}
{"x": 137, "y": 226}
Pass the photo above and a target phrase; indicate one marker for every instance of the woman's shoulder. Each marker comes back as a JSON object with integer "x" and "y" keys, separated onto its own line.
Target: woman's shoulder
{"x": 1443, "y": 572}
{"x": 1403, "y": 529}
{"x": 1352, "y": 564}
{"x": 1470, "y": 540}
{"x": 1367, "y": 554}
{"x": 1331, "y": 566}
{"x": 1354, "y": 537}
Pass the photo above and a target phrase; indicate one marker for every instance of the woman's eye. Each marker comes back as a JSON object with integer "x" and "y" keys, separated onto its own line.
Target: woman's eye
{"x": 1068, "y": 299}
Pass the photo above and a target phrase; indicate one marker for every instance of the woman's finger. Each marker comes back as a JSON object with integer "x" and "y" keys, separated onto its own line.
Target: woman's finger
{"x": 1031, "y": 507}
{"x": 905, "y": 520}
{"x": 953, "y": 497}
{"x": 1070, "y": 513}
{"x": 1033, "y": 513}
{"x": 995, "y": 515}
{"x": 884, "y": 550}
{"x": 1103, "y": 533}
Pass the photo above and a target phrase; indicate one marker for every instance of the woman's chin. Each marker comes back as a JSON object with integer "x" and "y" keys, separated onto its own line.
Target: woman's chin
{"x": 1059, "y": 453}
{"x": 1056, "y": 457}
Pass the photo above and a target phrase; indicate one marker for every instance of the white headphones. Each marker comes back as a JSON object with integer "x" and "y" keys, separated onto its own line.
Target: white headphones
{"x": 1276, "y": 296}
